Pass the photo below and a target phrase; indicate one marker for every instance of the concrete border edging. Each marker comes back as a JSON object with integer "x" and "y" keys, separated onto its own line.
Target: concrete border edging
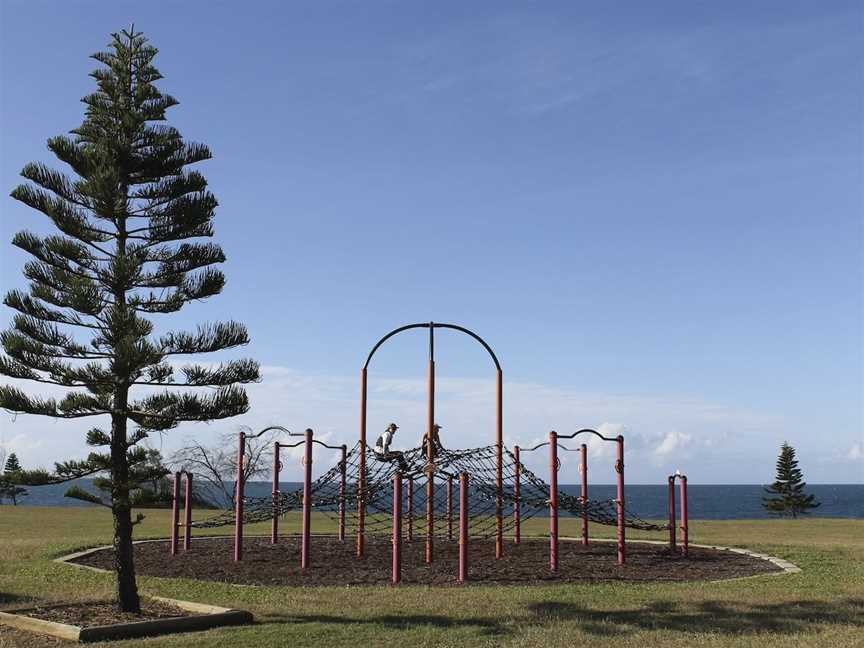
{"x": 785, "y": 566}
{"x": 204, "y": 617}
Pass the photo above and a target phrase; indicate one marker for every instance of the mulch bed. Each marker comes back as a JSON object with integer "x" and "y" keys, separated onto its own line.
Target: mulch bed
{"x": 86, "y": 615}
{"x": 334, "y": 563}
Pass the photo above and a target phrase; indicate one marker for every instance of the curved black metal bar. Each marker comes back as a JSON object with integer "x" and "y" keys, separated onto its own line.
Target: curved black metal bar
{"x": 271, "y": 428}
{"x": 473, "y": 335}
{"x": 289, "y": 445}
{"x": 332, "y": 447}
{"x": 388, "y": 336}
{"x": 433, "y": 325}
{"x": 545, "y": 443}
{"x": 587, "y": 430}
{"x": 539, "y": 445}
{"x": 678, "y": 476}
{"x": 566, "y": 449}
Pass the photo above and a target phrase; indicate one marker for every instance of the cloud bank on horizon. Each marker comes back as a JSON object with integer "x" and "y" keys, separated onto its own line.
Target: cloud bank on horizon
{"x": 710, "y": 442}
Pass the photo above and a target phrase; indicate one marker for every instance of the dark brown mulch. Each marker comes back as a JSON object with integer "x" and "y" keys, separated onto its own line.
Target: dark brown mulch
{"x": 14, "y": 638}
{"x": 101, "y": 613}
{"x": 334, "y": 563}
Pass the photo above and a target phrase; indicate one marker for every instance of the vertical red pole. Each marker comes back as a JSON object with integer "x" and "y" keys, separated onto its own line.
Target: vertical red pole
{"x": 619, "y": 468}
{"x": 430, "y": 451}
{"x": 187, "y": 514}
{"x": 670, "y": 505}
{"x": 175, "y": 513}
{"x": 307, "y": 500}
{"x": 274, "y": 527}
{"x": 553, "y": 501}
{"x": 410, "y": 509}
{"x": 361, "y": 477}
{"x": 342, "y": 471}
{"x": 449, "y": 507}
{"x": 238, "y": 497}
{"x": 583, "y": 473}
{"x": 397, "y": 529}
{"x": 517, "y": 506}
{"x": 685, "y": 523}
{"x": 463, "y": 527}
{"x": 499, "y": 464}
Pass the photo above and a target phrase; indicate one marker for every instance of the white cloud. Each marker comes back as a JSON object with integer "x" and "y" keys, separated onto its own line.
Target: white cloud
{"x": 20, "y": 443}
{"x": 673, "y": 442}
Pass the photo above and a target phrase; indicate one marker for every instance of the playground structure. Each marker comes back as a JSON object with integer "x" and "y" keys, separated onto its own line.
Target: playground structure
{"x": 370, "y": 495}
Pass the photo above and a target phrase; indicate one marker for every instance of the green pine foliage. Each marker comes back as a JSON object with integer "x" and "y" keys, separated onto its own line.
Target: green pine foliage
{"x": 787, "y": 491}
{"x": 9, "y": 488}
{"x": 132, "y": 217}
{"x": 12, "y": 464}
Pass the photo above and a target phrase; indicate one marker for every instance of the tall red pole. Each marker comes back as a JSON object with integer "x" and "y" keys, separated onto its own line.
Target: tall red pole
{"x": 361, "y": 478}
{"x": 187, "y": 514}
{"x": 449, "y": 507}
{"x": 397, "y": 530}
{"x": 430, "y": 452}
{"x": 238, "y": 497}
{"x": 342, "y": 471}
{"x": 499, "y": 464}
{"x": 685, "y": 539}
{"x": 517, "y": 531}
{"x": 175, "y": 513}
{"x": 553, "y": 501}
{"x": 583, "y": 474}
{"x": 307, "y": 500}
{"x": 670, "y": 505}
{"x": 410, "y": 509}
{"x": 463, "y": 527}
{"x": 619, "y": 468}
{"x": 274, "y": 526}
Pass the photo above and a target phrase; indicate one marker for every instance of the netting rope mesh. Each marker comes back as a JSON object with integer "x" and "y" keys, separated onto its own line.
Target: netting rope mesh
{"x": 478, "y": 463}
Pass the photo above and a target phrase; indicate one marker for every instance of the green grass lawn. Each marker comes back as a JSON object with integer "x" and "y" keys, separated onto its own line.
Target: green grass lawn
{"x": 823, "y": 606}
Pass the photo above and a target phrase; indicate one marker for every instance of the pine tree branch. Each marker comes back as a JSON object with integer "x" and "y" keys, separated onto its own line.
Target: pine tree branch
{"x": 76, "y": 492}
{"x": 28, "y": 306}
{"x": 208, "y": 338}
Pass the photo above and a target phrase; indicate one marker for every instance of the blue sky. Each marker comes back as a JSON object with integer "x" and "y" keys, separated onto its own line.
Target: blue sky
{"x": 652, "y": 211}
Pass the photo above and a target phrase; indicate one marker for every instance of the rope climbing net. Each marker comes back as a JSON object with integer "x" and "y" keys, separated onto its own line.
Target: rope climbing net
{"x": 331, "y": 489}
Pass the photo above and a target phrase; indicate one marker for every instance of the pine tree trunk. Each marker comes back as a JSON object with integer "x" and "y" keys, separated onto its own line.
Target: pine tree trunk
{"x": 127, "y": 589}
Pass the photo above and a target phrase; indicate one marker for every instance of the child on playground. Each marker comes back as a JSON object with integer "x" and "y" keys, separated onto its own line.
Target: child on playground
{"x": 382, "y": 448}
{"x": 436, "y": 442}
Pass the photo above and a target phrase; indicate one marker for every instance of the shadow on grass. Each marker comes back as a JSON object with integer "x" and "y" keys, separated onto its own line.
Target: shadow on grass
{"x": 718, "y": 617}
{"x": 486, "y": 626}
{"x": 6, "y": 598}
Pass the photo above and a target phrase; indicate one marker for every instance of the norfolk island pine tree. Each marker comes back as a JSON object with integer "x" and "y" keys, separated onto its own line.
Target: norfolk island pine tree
{"x": 131, "y": 222}
{"x": 788, "y": 487}
{"x": 8, "y": 487}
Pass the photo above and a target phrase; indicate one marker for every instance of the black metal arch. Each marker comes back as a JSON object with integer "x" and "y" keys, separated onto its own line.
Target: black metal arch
{"x": 589, "y": 431}
{"x": 499, "y": 444}
{"x": 432, "y": 326}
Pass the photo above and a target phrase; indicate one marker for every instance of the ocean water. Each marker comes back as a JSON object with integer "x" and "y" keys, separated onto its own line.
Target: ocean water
{"x": 705, "y": 502}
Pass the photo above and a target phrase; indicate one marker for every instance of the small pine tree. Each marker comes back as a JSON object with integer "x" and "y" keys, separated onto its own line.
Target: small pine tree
{"x": 130, "y": 220}
{"x": 788, "y": 488}
{"x": 8, "y": 487}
